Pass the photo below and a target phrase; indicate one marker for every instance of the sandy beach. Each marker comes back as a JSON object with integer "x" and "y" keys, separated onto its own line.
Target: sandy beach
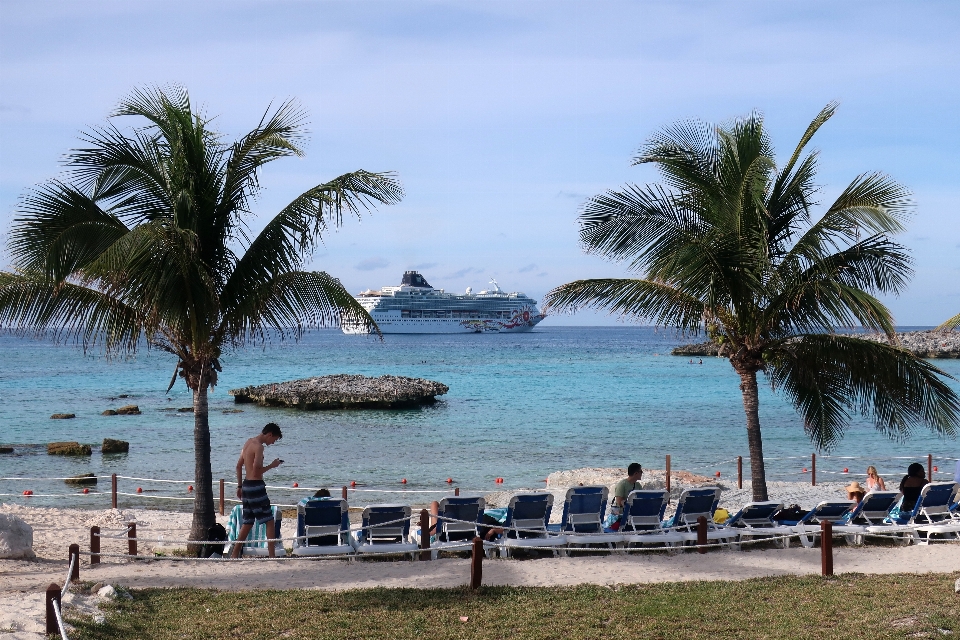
{"x": 22, "y": 582}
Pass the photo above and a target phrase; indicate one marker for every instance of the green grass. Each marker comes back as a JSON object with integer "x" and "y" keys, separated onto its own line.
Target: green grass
{"x": 849, "y": 606}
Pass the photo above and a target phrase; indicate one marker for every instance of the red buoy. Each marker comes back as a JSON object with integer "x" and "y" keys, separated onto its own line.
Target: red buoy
{"x": 28, "y": 492}
{"x": 804, "y": 469}
{"x": 845, "y": 470}
{"x": 86, "y": 490}
{"x": 190, "y": 488}
{"x": 934, "y": 468}
{"x": 139, "y": 490}
{"x": 403, "y": 481}
{"x": 353, "y": 483}
{"x": 449, "y": 480}
{"x": 717, "y": 474}
{"x": 296, "y": 484}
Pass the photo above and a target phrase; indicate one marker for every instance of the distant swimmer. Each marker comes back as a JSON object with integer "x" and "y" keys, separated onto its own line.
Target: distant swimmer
{"x": 252, "y": 490}
{"x": 701, "y": 361}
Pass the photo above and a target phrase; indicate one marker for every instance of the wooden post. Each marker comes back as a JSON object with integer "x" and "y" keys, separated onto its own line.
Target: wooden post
{"x": 113, "y": 491}
{"x": 702, "y": 534}
{"x": 132, "y": 538}
{"x": 826, "y": 548}
{"x": 813, "y": 469}
{"x": 424, "y": 535}
{"x": 668, "y": 473}
{"x": 222, "y": 496}
{"x": 456, "y": 491}
{"x": 53, "y": 595}
{"x": 739, "y": 472}
{"x": 94, "y": 545}
{"x": 73, "y": 555}
{"x": 343, "y": 493}
{"x": 929, "y": 467}
{"x": 476, "y": 564}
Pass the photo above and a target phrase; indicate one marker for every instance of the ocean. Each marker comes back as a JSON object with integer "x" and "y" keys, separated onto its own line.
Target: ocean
{"x": 520, "y": 406}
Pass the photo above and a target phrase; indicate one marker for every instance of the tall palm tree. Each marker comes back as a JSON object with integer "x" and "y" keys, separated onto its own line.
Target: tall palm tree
{"x": 730, "y": 245}
{"x": 147, "y": 241}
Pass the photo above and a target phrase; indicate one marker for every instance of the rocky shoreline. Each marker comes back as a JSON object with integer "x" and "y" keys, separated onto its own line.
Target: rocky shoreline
{"x": 343, "y": 392}
{"x": 926, "y": 344}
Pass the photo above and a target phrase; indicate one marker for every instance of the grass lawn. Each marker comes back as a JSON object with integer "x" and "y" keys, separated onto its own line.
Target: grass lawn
{"x": 848, "y": 606}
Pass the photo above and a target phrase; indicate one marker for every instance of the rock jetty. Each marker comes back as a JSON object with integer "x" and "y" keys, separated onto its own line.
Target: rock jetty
{"x": 344, "y": 392}
{"x": 926, "y": 344}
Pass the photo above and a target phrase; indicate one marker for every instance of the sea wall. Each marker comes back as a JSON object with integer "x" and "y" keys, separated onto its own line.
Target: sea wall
{"x": 343, "y": 392}
{"x": 926, "y": 344}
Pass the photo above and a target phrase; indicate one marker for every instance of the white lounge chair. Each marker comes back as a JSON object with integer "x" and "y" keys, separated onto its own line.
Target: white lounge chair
{"x": 642, "y": 519}
{"x": 582, "y": 521}
{"x": 755, "y": 520}
{"x": 693, "y": 504}
{"x": 384, "y": 528}
{"x": 528, "y": 515}
{"x": 323, "y": 527}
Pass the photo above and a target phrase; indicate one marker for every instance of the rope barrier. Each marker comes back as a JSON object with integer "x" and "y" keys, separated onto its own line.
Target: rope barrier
{"x": 66, "y": 583}
{"x": 57, "y": 612}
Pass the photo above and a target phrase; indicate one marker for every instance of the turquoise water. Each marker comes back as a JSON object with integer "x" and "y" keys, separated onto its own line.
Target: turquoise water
{"x": 520, "y": 406}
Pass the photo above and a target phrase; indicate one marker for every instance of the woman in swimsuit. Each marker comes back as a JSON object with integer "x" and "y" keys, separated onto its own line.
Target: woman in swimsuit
{"x": 874, "y": 481}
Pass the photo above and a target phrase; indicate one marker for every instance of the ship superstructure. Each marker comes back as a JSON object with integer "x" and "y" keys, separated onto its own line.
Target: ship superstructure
{"x": 416, "y": 307}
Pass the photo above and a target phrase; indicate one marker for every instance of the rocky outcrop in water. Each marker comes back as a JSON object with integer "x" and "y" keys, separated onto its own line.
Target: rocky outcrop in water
{"x": 84, "y": 479}
{"x": 63, "y": 416}
{"x": 115, "y": 446}
{"x": 926, "y": 344}
{"x": 69, "y": 449}
{"x": 344, "y": 392}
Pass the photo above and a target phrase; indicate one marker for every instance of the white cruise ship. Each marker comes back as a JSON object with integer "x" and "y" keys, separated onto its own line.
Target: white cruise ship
{"x": 416, "y": 307}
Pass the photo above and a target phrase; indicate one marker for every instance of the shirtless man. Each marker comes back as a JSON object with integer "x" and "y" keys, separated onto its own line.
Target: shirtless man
{"x": 253, "y": 490}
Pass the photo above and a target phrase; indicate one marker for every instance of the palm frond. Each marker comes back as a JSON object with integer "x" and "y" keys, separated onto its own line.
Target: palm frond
{"x": 830, "y": 377}
{"x": 635, "y": 299}
{"x": 951, "y": 324}
{"x": 31, "y": 303}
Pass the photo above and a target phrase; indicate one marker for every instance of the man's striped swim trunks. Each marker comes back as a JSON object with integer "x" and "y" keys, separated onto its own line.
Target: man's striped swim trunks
{"x": 256, "y": 504}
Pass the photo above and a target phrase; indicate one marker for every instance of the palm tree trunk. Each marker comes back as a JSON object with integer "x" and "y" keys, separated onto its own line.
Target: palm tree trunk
{"x": 203, "y": 514}
{"x": 751, "y": 406}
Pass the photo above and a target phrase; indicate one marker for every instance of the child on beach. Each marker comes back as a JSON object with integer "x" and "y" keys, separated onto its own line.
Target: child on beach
{"x": 874, "y": 481}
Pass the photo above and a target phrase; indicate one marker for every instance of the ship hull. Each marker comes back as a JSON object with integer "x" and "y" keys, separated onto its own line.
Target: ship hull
{"x": 444, "y": 325}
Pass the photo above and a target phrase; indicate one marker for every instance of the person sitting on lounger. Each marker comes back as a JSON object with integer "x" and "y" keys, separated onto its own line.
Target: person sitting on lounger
{"x": 911, "y": 485}
{"x": 622, "y": 490}
{"x": 874, "y": 481}
{"x": 855, "y": 492}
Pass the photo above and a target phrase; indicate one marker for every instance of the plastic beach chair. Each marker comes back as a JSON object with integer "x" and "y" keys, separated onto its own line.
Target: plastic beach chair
{"x": 642, "y": 519}
{"x": 384, "y": 528}
{"x": 832, "y": 511}
{"x": 255, "y": 544}
{"x": 755, "y": 520}
{"x": 582, "y": 520}
{"x": 456, "y": 533}
{"x": 873, "y": 509}
{"x": 526, "y": 524}
{"x": 323, "y": 527}
{"x": 693, "y": 504}
{"x": 932, "y": 515}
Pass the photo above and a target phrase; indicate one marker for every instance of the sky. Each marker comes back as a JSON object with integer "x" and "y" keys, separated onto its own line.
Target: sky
{"x": 501, "y": 118}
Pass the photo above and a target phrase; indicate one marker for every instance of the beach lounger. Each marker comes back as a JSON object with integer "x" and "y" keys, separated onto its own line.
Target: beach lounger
{"x": 829, "y": 510}
{"x": 582, "y": 521}
{"x": 525, "y": 526}
{"x": 456, "y": 534}
{"x": 932, "y": 515}
{"x": 255, "y": 544}
{"x": 384, "y": 528}
{"x": 323, "y": 527}
{"x": 873, "y": 509}
{"x": 693, "y": 504}
{"x": 642, "y": 519}
{"x": 755, "y": 520}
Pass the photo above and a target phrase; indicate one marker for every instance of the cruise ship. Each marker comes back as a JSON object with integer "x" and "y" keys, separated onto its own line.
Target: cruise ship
{"x": 416, "y": 307}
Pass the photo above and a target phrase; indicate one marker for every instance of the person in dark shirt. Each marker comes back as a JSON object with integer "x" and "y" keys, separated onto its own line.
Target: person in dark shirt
{"x": 911, "y": 485}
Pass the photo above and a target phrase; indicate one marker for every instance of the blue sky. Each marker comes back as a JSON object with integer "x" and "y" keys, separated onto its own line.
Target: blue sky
{"x": 501, "y": 118}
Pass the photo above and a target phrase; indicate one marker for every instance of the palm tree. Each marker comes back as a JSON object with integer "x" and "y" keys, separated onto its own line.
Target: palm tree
{"x": 729, "y": 245}
{"x": 951, "y": 324}
{"x": 146, "y": 241}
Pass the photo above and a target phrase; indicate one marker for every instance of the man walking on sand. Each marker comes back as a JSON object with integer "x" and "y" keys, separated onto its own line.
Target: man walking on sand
{"x": 252, "y": 491}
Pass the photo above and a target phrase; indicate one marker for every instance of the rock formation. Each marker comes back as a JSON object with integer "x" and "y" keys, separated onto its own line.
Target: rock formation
{"x": 926, "y": 344}
{"x": 16, "y": 538}
{"x": 6, "y": 449}
{"x": 129, "y": 410}
{"x": 69, "y": 449}
{"x": 115, "y": 446}
{"x": 83, "y": 479}
{"x": 63, "y": 416}
{"x": 109, "y": 412}
{"x": 344, "y": 392}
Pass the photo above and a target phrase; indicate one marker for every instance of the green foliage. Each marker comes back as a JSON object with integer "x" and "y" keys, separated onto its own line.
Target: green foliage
{"x": 729, "y": 244}
{"x": 951, "y": 324}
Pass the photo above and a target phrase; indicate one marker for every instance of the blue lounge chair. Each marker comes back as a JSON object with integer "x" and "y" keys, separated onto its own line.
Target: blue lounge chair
{"x": 456, "y": 534}
{"x": 932, "y": 514}
{"x": 323, "y": 527}
{"x": 834, "y": 511}
{"x": 528, "y": 515}
{"x": 642, "y": 519}
{"x": 874, "y": 508}
{"x": 256, "y": 544}
{"x": 582, "y": 521}
{"x": 693, "y": 504}
{"x": 384, "y": 528}
{"x": 755, "y": 520}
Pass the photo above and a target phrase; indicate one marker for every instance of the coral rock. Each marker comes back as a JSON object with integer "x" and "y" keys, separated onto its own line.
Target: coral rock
{"x": 85, "y": 479}
{"x": 129, "y": 410}
{"x": 69, "y": 449}
{"x": 16, "y": 538}
{"x": 344, "y": 392}
{"x": 115, "y": 446}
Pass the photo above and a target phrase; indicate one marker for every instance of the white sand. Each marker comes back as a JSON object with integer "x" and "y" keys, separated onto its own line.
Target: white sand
{"x": 22, "y": 582}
